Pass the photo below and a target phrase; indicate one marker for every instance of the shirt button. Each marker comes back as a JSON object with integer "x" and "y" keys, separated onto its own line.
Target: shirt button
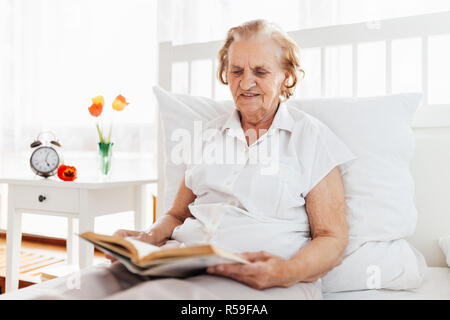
{"x": 235, "y": 172}
{"x": 233, "y": 203}
{"x": 228, "y": 183}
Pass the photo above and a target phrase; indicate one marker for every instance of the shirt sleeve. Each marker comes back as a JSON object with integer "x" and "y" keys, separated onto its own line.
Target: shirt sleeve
{"x": 325, "y": 152}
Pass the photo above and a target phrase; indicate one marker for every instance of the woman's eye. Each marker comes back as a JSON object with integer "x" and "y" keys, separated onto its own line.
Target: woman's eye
{"x": 260, "y": 73}
{"x": 236, "y": 72}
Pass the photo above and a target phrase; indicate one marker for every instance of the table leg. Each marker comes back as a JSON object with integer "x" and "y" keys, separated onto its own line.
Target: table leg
{"x": 72, "y": 257}
{"x": 86, "y": 223}
{"x": 13, "y": 242}
{"x": 4, "y": 202}
{"x": 140, "y": 207}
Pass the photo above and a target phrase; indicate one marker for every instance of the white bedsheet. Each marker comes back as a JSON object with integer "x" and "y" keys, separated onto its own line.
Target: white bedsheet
{"x": 436, "y": 286}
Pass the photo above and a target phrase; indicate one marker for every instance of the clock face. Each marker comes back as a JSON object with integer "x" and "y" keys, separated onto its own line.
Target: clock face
{"x": 44, "y": 160}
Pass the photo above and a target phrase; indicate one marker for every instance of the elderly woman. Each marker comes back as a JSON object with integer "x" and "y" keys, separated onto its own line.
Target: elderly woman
{"x": 287, "y": 219}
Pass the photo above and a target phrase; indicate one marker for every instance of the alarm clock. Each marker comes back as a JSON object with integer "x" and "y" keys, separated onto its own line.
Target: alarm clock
{"x": 46, "y": 157}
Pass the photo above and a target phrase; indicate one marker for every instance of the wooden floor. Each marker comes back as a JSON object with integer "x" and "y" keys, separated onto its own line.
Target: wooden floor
{"x": 35, "y": 256}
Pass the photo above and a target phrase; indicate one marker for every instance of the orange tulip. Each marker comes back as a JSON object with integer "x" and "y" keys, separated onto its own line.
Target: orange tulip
{"x": 97, "y": 106}
{"x": 95, "y": 109}
{"x": 119, "y": 103}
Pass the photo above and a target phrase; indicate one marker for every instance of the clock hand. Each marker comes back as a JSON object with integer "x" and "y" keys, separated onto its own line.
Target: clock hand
{"x": 46, "y": 159}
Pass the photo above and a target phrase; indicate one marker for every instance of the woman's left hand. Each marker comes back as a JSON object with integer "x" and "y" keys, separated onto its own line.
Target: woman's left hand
{"x": 264, "y": 271}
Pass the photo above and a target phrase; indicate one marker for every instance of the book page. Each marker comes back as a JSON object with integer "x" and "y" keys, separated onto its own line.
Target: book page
{"x": 142, "y": 248}
{"x": 184, "y": 267}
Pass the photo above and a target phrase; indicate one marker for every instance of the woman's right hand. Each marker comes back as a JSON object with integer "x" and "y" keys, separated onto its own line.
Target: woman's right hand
{"x": 138, "y": 235}
{"x": 126, "y": 233}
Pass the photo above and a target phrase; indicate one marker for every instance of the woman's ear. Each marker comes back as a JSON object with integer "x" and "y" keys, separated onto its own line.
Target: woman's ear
{"x": 287, "y": 78}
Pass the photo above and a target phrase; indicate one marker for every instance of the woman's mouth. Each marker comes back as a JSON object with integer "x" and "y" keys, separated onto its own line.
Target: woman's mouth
{"x": 249, "y": 95}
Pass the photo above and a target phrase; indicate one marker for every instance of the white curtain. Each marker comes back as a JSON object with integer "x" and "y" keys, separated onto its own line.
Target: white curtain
{"x": 188, "y": 21}
{"x": 55, "y": 55}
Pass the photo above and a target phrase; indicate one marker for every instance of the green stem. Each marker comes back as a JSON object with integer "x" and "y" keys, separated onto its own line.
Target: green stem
{"x": 109, "y": 135}
{"x": 110, "y": 128}
{"x": 100, "y": 133}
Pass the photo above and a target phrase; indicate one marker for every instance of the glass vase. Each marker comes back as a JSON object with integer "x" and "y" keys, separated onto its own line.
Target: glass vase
{"x": 105, "y": 157}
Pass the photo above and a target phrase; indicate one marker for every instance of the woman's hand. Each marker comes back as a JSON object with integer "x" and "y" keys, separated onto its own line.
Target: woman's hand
{"x": 141, "y": 236}
{"x": 126, "y": 233}
{"x": 264, "y": 271}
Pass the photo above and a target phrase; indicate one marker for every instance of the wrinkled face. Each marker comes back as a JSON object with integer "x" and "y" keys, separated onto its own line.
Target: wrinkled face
{"x": 255, "y": 77}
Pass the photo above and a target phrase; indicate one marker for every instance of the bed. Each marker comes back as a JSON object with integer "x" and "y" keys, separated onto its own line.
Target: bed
{"x": 431, "y": 125}
{"x": 431, "y": 128}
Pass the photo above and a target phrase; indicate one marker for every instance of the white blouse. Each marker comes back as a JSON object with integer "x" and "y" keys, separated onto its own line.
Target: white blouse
{"x": 252, "y": 198}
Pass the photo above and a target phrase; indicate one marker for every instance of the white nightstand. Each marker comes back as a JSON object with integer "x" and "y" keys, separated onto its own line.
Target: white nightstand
{"x": 82, "y": 200}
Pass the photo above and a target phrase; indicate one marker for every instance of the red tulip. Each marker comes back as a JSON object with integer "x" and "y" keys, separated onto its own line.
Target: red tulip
{"x": 67, "y": 173}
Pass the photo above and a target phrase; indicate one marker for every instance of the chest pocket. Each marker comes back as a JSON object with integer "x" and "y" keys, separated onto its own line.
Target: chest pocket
{"x": 271, "y": 192}
{"x": 210, "y": 177}
{"x": 293, "y": 182}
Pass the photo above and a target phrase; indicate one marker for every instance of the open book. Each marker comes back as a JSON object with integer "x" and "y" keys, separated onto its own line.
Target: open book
{"x": 146, "y": 259}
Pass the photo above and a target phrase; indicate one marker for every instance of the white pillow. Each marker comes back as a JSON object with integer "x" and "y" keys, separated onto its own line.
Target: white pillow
{"x": 178, "y": 111}
{"x": 444, "y": 243}
{"x": 379, "y": 189}
{"x": 394, "y": 265}
{"x": 378, "y": 184}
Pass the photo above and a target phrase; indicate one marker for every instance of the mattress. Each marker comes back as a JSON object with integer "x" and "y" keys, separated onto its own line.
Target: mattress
{"x": 435, "y": 286}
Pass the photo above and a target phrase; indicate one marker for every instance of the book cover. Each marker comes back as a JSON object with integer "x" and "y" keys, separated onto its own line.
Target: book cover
{"x": 149, "y": 260}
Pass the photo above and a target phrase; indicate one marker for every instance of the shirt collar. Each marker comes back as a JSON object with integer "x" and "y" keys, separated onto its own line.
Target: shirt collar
{"x": 282, "y": 120}
{"x": 233, "y": 121}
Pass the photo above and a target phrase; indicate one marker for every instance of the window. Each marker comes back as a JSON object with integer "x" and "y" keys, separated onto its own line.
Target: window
{"x": 54, "y": 57}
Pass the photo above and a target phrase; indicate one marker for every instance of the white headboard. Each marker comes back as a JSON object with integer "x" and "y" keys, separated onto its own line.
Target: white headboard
{"x": 431, "y": 123}
{"x": 431, "y": 172}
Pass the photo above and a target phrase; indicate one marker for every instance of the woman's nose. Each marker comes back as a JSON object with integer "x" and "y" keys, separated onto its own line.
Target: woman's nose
{"x": 247, "y": 81}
